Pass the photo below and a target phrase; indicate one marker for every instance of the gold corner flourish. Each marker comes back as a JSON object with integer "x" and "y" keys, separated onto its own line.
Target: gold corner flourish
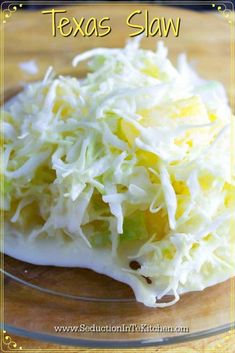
{"x": 227, "y": 13}
{"x": 10, "y": 10}
{"x": 9, "y": 343}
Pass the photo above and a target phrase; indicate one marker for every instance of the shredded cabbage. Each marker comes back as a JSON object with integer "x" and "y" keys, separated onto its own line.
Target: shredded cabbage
{"x": 134, "y": 159}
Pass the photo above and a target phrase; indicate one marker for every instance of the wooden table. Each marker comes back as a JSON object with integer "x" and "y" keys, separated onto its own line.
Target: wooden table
{"x": 28, "y": 37}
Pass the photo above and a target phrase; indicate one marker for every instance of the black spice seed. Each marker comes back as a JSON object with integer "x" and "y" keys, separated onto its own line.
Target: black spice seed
{"x": 148, "y": 280}
{"x": 134, "y": 265}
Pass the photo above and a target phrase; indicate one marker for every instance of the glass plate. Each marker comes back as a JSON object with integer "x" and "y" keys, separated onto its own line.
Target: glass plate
{"x": 39, "y": 299}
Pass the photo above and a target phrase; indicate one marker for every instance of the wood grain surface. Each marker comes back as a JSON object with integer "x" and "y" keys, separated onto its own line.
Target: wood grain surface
{"x": 204, "y": 37}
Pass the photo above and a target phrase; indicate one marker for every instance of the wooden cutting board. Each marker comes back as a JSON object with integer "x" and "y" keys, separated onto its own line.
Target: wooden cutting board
{"x": 205, "y": 37}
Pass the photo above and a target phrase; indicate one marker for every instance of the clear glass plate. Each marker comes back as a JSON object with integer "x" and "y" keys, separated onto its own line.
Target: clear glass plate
{"x": 40, "y": 298}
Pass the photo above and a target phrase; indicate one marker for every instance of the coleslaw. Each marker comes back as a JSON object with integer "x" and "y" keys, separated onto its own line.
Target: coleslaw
{"x": 131, "y": 163}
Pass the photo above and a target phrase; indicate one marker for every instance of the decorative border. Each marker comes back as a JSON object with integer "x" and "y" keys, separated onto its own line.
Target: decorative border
{"x": 9, "y": 343}
{"x": 228, "y": 14}
{"x": 10, "y": 10}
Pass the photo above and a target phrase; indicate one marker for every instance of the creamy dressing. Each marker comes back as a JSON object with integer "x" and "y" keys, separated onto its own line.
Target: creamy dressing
{"x": 54, "y": 252}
